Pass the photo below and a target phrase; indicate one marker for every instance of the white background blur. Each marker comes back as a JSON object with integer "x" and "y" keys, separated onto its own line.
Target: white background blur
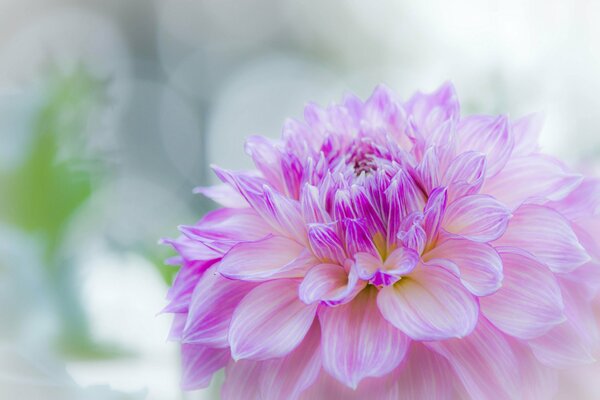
{"x": 158, "y": 90}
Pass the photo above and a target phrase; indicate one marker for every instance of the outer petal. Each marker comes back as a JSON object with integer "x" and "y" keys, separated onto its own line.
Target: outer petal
{"x": 484, "y": 362}
{"x": 259, "y": 260}
{"x": 531, "y": 177}
{"x": 547, "y": 235}
{"x": 278, "y": 379}
{"x": 491, "y": 136}
{"x": 422, "y": 375}
{"x": 429, "y": 304}
{"x": 465, "y": 174}
{"x": 477, "y": 264}
{"x": 358, "y": 342}
{"x": 526, "y": 131}
{"x": 575, "y": 341}
{"x": 199, "y": 364}
{"x": 270, "y": 321}
{"x": 212, "y": 305}
{"x": 529, "y": 303}
{"x": 479, "y": 218}
{"x": 222, "y": 194}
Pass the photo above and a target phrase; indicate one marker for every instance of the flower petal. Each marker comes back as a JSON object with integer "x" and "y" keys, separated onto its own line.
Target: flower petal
{"x": 547, "y": 235}
{"x": 429, "y": 304}
{"x": 465, "y": 174}
{"x": 477, "y": 264}
{"x": 529, "y": 303}
{"x": 526, "y": 131}
{"x": 358, "y": 342}
{"x": 199, "y": 363}
{"x": 322, "y": 282}
{"x": 484, "y": 362}
{"x": 222, "y": 194}
{"x": 279, "y": 378}
{"x": 479, "y": 218}
{"x": 213, "y": 303}
{"x": 262, "y": 259}
{"x": 270, "y": 321}
{"x": 489, "y": 135}
{"x": 535, "y": 176}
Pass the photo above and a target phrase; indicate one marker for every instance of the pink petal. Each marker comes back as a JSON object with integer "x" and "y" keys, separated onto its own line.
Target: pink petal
{"x": 312, "y": 208}
{"x": 429, "y": 304}
{"x": 575, "y": 341}
{"x": 491, "y": 136}
{"x": 532, "y": 177}
{"x": 199, "y": 363}
{"x": 424, "y": 375}
{"x": 477, "y": 264}
{"x": 358, "y": 342}
{"x": 547, "y": 235}
{"x": 212, "y": 305}
{"x": 484, "y": 363}
{"x": 222, "y": 194}
{"x": 479, "y": 218}
{"x": 325, "y": 243}
{"x": 323, "y": 282}
{"x": 581, "y": 202}
{"x": 285, "y": 215}
{"x": 526, "y": 131}
{"x": 465, "y": 174}
{"x": 270, "y": 321}
{"x": 434, "y": 211}
{"x": 228, "y": 225}
{"x": 430, "y": 110}
{"x": 529, "y": 303}
{"x": 266, "y": 159}
{"x": 262, "y": 259}
{"x": 278, "y": 379}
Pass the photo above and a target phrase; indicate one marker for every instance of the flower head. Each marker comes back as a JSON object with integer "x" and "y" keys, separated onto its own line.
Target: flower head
{"x": 390, "y": 249}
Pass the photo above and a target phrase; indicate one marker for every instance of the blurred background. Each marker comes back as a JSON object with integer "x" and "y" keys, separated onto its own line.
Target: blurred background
{"x": 112, "y": 110}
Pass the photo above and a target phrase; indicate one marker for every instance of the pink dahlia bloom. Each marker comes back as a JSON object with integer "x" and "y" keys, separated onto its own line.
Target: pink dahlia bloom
{"x": 391, "y": 250}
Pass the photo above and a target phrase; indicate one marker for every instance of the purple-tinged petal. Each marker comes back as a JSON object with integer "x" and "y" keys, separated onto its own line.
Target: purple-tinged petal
{"x": 465, "y": 175}
{"x": 286, "y": 378}
{"x": 342, "y": 206}
{"x": 532, "y": 177}
{"x": 325, "y": 243}
{"x": 480, "y": 218}
{"x": 228, "y": 225}
{"x": 424, "y": 375}
{"x": 270, "y": 321}
{"x": 429, "y": 304}
{"x": 285, "y": 215}
{"x": 434, "y": 211}
{"x": 582, "y": 202}
{"x": 262, "y": 259}
{"x": 367, "y": 265}
{"x": 484, "y": 362}
{"x": 211, "y": 308}
{"x": 489, "y": 135}
{"x": 199, "y": 363}
{"x": 246, "y": 184}
{"x": 192, "y": 250}
{"x": 358, "y": 342}
{"x": 477, "y": 264}
{"x": 187, "y": 277}
{"x": 404, "y": 198}
{"x": 430, "y": 110}
{"x": 428, "y": 171}
{"x": 526, "y": 131}
{"x": 411, "y": 233}
{"x": 322, "y": 282}
{"x": 401, "y": 261}
{"x": 313, "y": 210}
{"x": 222, "y": 194}
{"x": 267, "y": 159}
{"x": 529, "y": 303}
{"x": 177, "y": 326}
{"x": 366, "y": 209}
{"x": 356, "y": 237}
{"x": 282, "y": 378}
{"x": 575, "y": 341}
{"x": 547, "y": 235}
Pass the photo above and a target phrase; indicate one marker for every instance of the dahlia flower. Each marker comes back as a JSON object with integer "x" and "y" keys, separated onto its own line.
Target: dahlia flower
{"x": 391, "y": 250}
